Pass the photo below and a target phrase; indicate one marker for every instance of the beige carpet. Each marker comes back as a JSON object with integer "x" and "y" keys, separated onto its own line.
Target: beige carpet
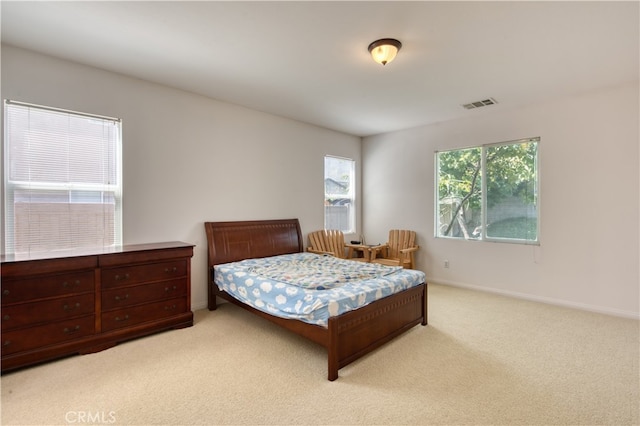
{"x": 483, "y": 359}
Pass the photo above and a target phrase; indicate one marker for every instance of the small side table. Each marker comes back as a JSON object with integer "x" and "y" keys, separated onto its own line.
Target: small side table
{"x": 367, "y": 251}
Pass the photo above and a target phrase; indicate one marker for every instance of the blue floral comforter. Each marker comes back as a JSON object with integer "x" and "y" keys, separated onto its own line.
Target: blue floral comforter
{"x": 311, "y": 287}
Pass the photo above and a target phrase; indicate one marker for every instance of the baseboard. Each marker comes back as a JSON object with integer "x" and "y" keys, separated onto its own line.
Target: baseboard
{"x": 199, "y": 305}
{"x": 516, "y": 295}
{"x": 541, "y": 299}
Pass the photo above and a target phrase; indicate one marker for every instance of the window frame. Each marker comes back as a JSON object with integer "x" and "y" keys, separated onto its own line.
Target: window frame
{"x": 351, "y": 194}
{"x": 10, "y": 187}
{"x": 483, "y": 194}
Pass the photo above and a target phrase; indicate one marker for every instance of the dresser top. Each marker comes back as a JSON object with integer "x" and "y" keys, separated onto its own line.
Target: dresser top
{"x": 91, "y": 251}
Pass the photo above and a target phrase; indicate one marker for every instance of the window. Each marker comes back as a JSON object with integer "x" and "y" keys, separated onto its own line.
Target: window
{"x": 489, "y": 192}
{"x": 339, "y": 194}
{"x": 62, "y": 179}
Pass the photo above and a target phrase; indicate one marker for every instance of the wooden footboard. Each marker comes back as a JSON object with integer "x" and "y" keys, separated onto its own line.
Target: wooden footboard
{"x": 348, "y": 336}
{"x": 356, "y": 333}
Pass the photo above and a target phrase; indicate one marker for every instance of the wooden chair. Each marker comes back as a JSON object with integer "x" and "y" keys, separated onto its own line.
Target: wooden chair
{"x": 329, "y": 241}
{"x": 398, "y": 251}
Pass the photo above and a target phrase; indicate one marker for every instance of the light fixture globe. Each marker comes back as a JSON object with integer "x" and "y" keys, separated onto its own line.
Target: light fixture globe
{"x": 384, "y": 50}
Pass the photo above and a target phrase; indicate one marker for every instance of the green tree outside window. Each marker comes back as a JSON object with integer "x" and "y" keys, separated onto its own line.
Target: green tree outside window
{"x": 489, "y": 192}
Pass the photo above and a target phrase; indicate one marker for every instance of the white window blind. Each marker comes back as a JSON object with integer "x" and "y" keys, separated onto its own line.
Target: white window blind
{"x": 63, "y": 179}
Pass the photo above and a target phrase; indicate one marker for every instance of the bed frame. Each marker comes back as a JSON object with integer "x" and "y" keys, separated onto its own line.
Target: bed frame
{"x": 348, "y": 336}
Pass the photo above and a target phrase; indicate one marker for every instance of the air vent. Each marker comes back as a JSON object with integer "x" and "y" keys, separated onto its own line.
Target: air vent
{"x": 478, "y": 104}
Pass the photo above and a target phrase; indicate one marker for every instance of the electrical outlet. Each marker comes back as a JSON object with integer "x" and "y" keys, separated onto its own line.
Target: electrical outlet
{"x": 446, "y": 264}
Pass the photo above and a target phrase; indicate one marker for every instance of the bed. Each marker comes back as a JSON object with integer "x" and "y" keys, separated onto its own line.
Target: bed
{"x": 346, "y": 336}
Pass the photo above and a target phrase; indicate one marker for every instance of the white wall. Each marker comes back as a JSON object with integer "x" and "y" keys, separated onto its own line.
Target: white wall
{"x": 589, "y": 198}
{"x": 188, "y": 159}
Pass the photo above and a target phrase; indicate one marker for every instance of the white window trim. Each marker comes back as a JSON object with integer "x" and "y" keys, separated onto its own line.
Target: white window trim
{"x": 352, "y": 192}
{"x": 484, "y": 237}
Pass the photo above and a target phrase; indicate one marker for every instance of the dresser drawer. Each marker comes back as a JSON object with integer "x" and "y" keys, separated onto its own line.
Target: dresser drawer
{"x": 138, "y": 314}
{"x": 48, "y": 334}
{"x": 25, "y": 314}
{"x": 38, "y": 287}
{"x": 127, "y": 296}
{"x": 130, "y": 275}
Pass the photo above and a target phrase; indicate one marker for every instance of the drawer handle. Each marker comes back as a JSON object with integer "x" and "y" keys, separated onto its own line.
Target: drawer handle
{"x": 170, "y": 308}
{"x": 68, "y": 330}
{"x": 6, "y": 343}
{"x": 168, "y": 289}
{"x": 68, "y": 308}
{"x": 170, "y": 270}
{"x": 122, "y": 277}
{"x": 124, "y": 318}
{"x": 125, "y": 297}
{"x": 6, "y": 318}
{"x": 72, "y": 285}
{"x": 5, "y": 292}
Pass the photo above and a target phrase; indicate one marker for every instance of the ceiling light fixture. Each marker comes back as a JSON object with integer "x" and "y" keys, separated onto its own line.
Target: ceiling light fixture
{"x": 384, "y": 50}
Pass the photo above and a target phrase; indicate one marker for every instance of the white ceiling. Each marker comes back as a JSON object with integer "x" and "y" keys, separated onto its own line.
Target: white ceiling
{"x": 308, "y": 60}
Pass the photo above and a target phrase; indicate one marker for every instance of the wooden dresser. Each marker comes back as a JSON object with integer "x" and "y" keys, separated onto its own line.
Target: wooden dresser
{"x": 62, "y": 303}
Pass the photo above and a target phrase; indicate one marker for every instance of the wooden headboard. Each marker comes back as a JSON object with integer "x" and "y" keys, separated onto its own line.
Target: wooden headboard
{"x": 233, "y": 241}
